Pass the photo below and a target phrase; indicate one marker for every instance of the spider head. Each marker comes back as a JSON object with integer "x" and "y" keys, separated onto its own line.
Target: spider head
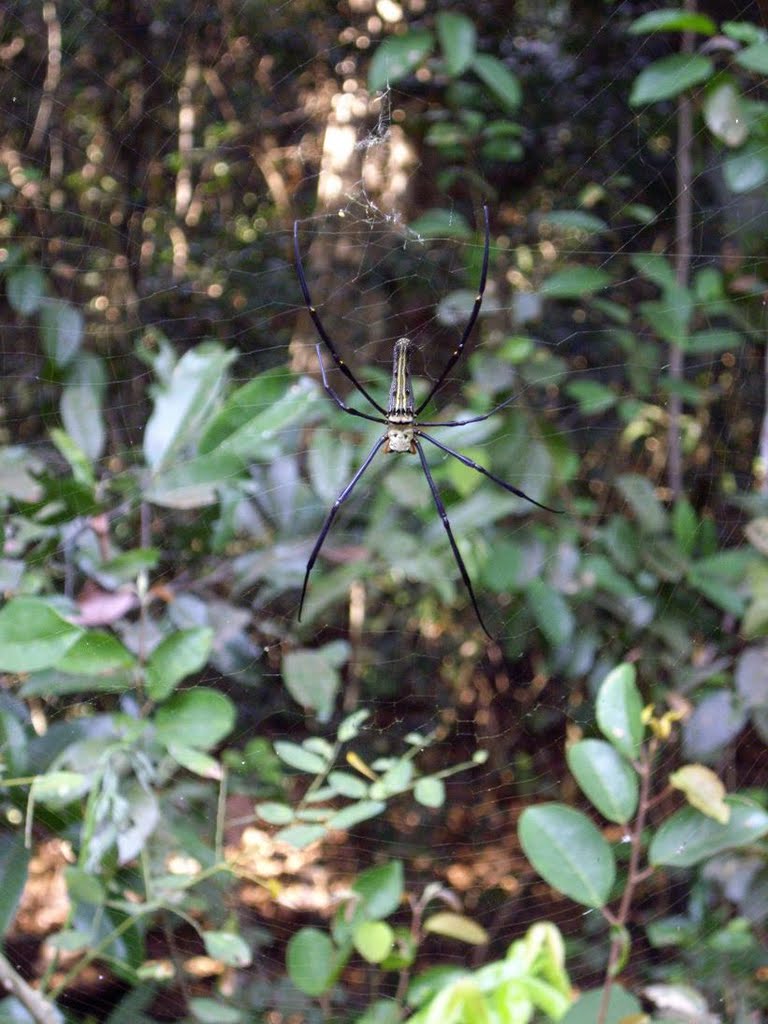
{"x": 400, "y": 438}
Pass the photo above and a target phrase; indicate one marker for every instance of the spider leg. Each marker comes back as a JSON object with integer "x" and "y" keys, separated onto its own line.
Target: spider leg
{"x": 472, "y": 419}
{"x": 335, "y": 397}
{"x": 470, "y": 323}
{"x": 497, "y": 480}
{"x": 332, "y": 515}
{"x": 444, "y": 517}
{"x": 324, "y": 337}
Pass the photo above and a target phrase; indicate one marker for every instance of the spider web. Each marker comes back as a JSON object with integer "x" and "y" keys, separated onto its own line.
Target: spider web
{"x": 375, "y": 276}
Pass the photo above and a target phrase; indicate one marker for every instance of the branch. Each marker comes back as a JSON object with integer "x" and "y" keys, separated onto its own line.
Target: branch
{"x": 41, "y": 1010}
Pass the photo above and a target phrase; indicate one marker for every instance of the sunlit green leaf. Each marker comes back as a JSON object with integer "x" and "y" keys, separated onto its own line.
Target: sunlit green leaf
{"x": 690, "y": 837}
{"x": 458, "y": 39}
{"x": 504, "y": 85}
{"x": 176, "y": 657}
{"x": 33, "y": 635}
{"x": 201, "y": 717}
{"x": 619, "y": 708}
{"x": 673, "y": 20}
{"x": 669, "y": 76}
{"x": 397, "y": 56}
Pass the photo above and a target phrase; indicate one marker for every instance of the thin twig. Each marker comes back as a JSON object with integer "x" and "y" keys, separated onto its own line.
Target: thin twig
{"x": 40, "y": 1009}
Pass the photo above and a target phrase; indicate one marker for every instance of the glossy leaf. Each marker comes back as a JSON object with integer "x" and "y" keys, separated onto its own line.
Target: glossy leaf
{"x": 195, "y": 483}
{"x": 623, "y": 1008}
{"x": 689, "y": 837}
{"x": 299, "y": 757}
{"x": 713, "y": 341}
{"x": 619, "y": 709}
{"x": 33, "y": 635}
{"x": 56, "y": 789}
{"x": 725, "y": 115}
{"x": 373, "y": 940}
{"x": 640, "y": 495}
{"x": 214, "y": 1011}
{"x": 748, "y": 168}
{"x": 576, "y": 220}
{"x": 551, "y": 612}
{"x": 703, "y": 790}
{"x": 458, "y": 39}
{"x": 311, "y": 961}
{"x": 605, "y": 778}
{"x": 201, "y": 718}
{"x": 25, "y": 289}
{"x": 673, "y": 20}
{"x": 568, "y": 852}
{"x": 82, "y": 402}
{"x": 575, "y": 283}
{"x": 230, "y": 949}
{"x": 754, "y": 58}
{"x": 429, "y": 792}
{"x": 351, "y": 725}
{"x": 176, "y": 657}
{"x": 397, "y": 56}
{"x": 504, "y": 85}
{"x": 354, "y": 814}
{"x": 195, "y": 761}
{"x": 62, "y": 328}
{"x": 456, "y": 926}
{"x": 313, "y": 678}
{"x": 440, "y": 223}
{"x": 669, "y": 76}
{"x": 300, "y": 836}
{"x": 96, "y": 652}
{"x": 275, "y": 813}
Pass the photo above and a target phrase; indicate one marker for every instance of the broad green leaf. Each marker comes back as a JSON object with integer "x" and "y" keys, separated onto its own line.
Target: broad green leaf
{"x": 743, "y": 31}
{"x": 748, "y": 168}
{"x": 619, "y": 709}
{"x": 689, "y": 837}
{"x": 754, "y": 58}
{"x": 299, "y": 757}
{"x": 429, "y": 792}
{"x": 350, "y": 727}
{"x": 568, "y": 852}
{"x": 458, "y": 40}
{"x": 577, "y": 220}
{"x": 355, "y": 813}
{"x": 725, "y": 115}
{"x": 458, "y": 1002}
{"x": 551, "y": 612}
{"x": 25, "y": 290}
{"x": 440, "y": 224}
{"x": 214, "y": 1011}
{"x": 83, "y": 887}
{"x": 713, "y": 341}
{"x": 396, "y": 779}
{"x": 184, "y": 404}
{"x": 14, "y": 862}
{"x": 14, "y": 746}
{"x": 456, "y": 926}
{"x": 623, "y": 1008}
{"x": 176, "y": 657}
{"x": 593, "y": 397}
{"x": 195, "y": 483}
{"x": 669, "y": 76}
{"x": 378, "y": 891}
{"x": 275, "y": 813}
{"x": 195, "y": 761}
{"x": 258, "y": 438}
{"x": 96, "y": 652}
{"x": 685, "y": 526}
{"x": 397, "y": 56}
{"x": 381, "y": 1011}
{"x": 703, "y": 790}
{"x": 201, "y": 718}
{"x": 348, "y": 785}
{"x": 300, "y": 836}
{"x": 311, "y": 961}
{"x": 673, "y": 20}
{"x": 56, "y": 789}
{"x": 329, "y": 461}
{"x": 81, "y": 404}
{"x": 33, "y": 635}
{"x": 78, "y": 461}
{"x": 230, "y": 949}
{"x": 605, "y": 778}
{"x": 639, "y": 494}
{"x": 244, "y": 404}
{"x": 575, "y": 283}
{"x": 373, "y": 940}
{"x": 504, "y": 85}
{"x": 656, "y": 267}
{"x": 62, "y": 328}
{"x": 313, "y": 679}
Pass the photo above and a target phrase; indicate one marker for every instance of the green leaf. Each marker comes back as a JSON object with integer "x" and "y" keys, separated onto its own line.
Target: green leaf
{"x": 605, "y": 778}
{"x": 313, "y": 679}
{"x": 381, "y": 1011}
{"x": 275, "y": 813}
{"x": 669, "y": 76}
{"x": 504, "y": 85}
{"x": 14, "y": 862}
{"x": 329, "y": 462}
{"x": 748, "y": 168}
{"x": 673, "y": 20}
{"x": 200, "y": 718}
{"x": 575, "y": 220}
{"x": 397, "y": 56}
{"x": 379, "y": 891}
{"x": 33, "y": 635}
{"x": 25, "y": 290}
{"x": 713, "y": 341}
{"x": 458, "y": 40}
{"x": 213, "y": 1011}
{"x": 438, "y": 223}
{"x": 184, "y": 403}
{"x": 195, "y": 483}
{"x": 639, "y": 494}
{"x": 568, "y": 852}
{"x": 373, "y": 940}
{"x": 83, "y": 887}
{"x": 230, "y": 949}
{"x": 456, "y": 926}
{"x": 575, "y": 283}
{"x": 690, "y": 837}
{"x": 244, "y": 404}
{"x": 703, "y": 790}
{"x": 62, "y": 328}
{"x": 743, "y": 31}
{"x": 56, "y": 789}
{"x": 656, "y": 267}
{"x": 300, "y": 836}
{"x": 78, "y": 461}
{"x": 311, "y": 961}
{"x": 619, "y": 710}
{"x": 429, "y": 791}
{"x": 350, "y": 727}
{"x": 258, "y": 437}
{"x": 754, "y": 58}
{"x": 593, "y": 397}
{"x": 176, "y": 657}
{"x": 725, "y": 115}
{"x": 96, "y": 652}
{"x": 299, "y": 757}
{"x": 348, "y": 785}
{"x": 623, "y": 1008}
{"x": 195, "y": 761}
{"x": 81, "y": 404}
{"x": 355, "y": 813}
{"x": 551, "y": 612}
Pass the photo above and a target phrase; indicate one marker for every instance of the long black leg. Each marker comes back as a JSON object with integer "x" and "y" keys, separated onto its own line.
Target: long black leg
{"x": 444, "y": 517}
{"x": 342, "y": 405}
{"x": 496, "y": 479}
{"x": 332, "y": 515}
{"x": 470, "y": 323}
{"x": 321, "y": 330}
{"x": 473, "y": 419}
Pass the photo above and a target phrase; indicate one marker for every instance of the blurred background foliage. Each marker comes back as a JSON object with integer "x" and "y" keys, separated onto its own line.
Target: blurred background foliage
{"x": 168, "y": 459}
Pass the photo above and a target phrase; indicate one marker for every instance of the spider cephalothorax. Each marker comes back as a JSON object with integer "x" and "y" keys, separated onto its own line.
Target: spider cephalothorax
{"x": 404, "y": 434}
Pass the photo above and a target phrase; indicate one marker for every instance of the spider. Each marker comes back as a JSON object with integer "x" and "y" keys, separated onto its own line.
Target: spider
{"x": 403, "y": 434}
